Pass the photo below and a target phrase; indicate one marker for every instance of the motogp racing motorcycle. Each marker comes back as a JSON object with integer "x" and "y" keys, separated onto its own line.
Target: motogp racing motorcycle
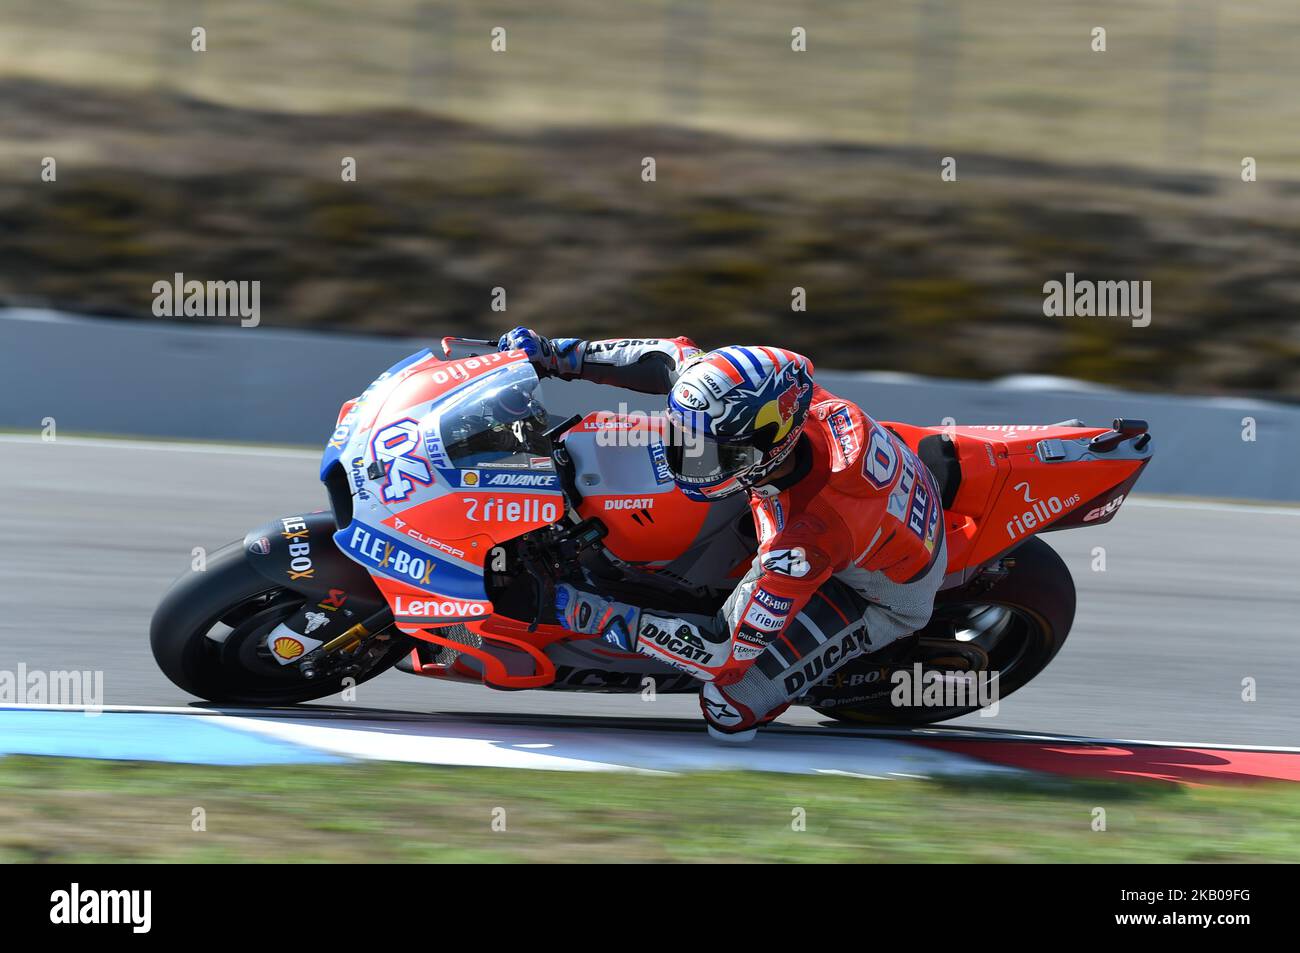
{"x": 457, "y": 504}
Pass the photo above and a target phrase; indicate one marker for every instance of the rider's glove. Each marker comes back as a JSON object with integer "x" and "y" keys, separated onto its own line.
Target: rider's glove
{"x": 537, "y": 348}
{"x": 589, "y": 613}
{"x": 561, "y": 356}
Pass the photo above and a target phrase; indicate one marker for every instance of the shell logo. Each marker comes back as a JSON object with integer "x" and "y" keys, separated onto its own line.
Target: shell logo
{"x": 469, "y": 478}
{"x": 286, "y": 647}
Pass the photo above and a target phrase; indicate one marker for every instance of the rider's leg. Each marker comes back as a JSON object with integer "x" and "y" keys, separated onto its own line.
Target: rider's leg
{"x": 841, "y": 622}
{"x": 836, "y": 626}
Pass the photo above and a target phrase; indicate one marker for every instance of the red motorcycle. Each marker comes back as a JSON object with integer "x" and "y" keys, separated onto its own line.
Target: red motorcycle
{"x": 457, "y": 504}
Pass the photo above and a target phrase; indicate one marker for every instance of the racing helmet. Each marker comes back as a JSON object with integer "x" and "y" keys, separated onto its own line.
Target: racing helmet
{"x": 734, "y": 415}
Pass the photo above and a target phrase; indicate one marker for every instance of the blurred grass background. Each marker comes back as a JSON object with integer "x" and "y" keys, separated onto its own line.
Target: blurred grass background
{"x": 776, "y": 169}
{"x": 69, "y": 810}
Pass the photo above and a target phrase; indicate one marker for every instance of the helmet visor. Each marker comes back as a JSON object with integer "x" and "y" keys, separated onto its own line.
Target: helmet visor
{"x": 696, "y": 459}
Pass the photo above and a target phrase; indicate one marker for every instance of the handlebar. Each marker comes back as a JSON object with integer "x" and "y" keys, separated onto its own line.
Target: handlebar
{"x": 480, "y": 344}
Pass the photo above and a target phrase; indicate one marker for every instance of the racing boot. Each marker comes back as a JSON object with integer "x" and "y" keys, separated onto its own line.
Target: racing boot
{"x": 730, "y": 721}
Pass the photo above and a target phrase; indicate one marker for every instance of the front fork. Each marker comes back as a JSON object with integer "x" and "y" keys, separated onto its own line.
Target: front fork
{"x": 341, "y": 645}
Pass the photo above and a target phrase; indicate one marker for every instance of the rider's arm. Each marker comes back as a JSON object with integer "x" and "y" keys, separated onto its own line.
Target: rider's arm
{"x": 649, "y": 365}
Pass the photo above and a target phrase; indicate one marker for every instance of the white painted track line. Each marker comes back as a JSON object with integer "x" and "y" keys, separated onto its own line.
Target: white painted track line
{"x": 849, "y": 735}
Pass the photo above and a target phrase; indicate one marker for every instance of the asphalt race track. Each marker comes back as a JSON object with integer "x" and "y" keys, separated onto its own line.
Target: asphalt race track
{"x": 1195, "y": 597}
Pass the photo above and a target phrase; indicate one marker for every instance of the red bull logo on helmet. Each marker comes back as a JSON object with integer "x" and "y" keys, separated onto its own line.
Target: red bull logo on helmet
{"x": 788, "y": 399}
{"x": 781, "y": 411}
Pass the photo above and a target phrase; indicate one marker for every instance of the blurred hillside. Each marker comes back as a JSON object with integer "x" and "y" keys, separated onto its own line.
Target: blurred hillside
{"x": 775, "y": 169}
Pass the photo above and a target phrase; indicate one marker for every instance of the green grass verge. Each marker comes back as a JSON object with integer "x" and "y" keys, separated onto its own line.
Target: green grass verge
{"x": 67, "y": 810}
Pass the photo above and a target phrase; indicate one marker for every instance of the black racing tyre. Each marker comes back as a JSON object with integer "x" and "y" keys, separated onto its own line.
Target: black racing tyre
{"x": 208, "y": 636}
{"x": 1020, "y": 623}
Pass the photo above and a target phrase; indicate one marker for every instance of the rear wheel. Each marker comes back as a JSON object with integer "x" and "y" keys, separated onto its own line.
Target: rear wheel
{"x": 1013, "y": 629}
{"x": 208, "y": 635}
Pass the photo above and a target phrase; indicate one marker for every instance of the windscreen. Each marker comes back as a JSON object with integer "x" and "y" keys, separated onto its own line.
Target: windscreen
{"x": 496, "y": 422}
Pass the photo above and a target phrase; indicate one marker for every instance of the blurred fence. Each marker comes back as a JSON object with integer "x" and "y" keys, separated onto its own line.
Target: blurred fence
{"x": 146, "y": 379}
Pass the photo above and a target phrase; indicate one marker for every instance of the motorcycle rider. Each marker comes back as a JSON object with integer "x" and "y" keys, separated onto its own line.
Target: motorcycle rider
{"x": 850, "y": 524}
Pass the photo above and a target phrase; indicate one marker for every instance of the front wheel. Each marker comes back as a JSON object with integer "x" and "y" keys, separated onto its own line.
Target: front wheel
{"x": 208, "y": 636}
{"x": 1013, "y": 629}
